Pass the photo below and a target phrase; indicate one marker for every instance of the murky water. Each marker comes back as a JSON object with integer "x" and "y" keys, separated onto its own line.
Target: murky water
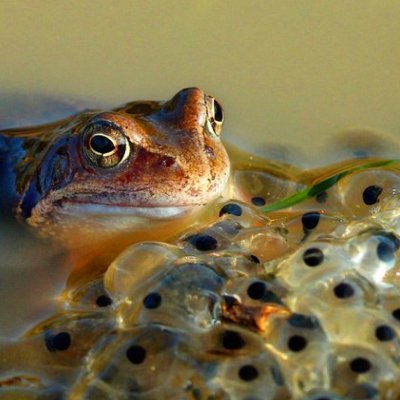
{"x": 283, "y": 70}
{"x": 291, "y": 75}
{"x": 32, "y": 276}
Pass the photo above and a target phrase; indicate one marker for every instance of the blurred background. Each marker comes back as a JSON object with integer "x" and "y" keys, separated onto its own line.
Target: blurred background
{"x": 289, "y": 72}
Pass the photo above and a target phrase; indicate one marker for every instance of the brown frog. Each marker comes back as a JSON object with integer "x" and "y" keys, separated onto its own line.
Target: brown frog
{"x": 98, "y": 174}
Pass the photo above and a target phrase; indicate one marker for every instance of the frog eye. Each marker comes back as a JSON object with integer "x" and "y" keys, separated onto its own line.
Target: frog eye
{"x": 218, "y": 112}
{"x": 105, "y": 145}
{"x": 215, "y": 117}
{"x": 102, "y": 145}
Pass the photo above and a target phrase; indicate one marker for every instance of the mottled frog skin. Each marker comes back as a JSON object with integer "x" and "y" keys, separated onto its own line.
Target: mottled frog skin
{"x": 146, "y": 160}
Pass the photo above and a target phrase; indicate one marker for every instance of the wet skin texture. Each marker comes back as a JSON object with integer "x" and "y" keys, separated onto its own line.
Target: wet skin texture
{"x": 147, "y": 159}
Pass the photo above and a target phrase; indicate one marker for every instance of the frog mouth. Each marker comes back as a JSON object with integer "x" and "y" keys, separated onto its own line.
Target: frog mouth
{"x": 79, "y": 209}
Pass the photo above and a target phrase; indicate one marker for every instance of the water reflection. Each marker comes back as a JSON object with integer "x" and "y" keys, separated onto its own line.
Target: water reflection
{"x": 32, "y": 274}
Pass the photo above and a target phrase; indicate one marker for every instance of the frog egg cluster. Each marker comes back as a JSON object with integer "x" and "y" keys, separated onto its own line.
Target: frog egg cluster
{"x": 301, "y": 303}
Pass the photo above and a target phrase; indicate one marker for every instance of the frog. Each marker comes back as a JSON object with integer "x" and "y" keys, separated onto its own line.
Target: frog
{"x": 101, "y": 173}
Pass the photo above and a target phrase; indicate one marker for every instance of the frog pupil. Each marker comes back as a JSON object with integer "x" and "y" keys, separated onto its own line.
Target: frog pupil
{"x": 102, "y": 144}
{"x": 218, "y": 113}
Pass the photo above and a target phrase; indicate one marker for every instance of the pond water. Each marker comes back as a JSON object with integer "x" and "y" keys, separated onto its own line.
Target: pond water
{"x": 286, "y": 72}
{"x": 306, "y": 83}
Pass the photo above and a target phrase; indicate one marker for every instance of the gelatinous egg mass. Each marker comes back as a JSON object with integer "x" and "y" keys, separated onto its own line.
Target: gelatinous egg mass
{"x": 292, "y": 292}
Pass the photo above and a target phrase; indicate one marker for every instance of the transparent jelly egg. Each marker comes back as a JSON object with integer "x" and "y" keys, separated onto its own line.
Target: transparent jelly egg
{"x": 143, "y": 362}
{"x": 260, "y": 187}
{"x": 313, "y": 262}
{"x": 54, "y": 351}
{"x": 87, "y": 296}
{"x": 356, "y": 365}
{"x": 245, "y": 214}
{"x": 139, "y": 265}
{"x": 369, "y": 192}
{"x": 184, "y": 298}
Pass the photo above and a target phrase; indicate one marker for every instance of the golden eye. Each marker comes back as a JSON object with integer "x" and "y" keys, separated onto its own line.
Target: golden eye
{"x": 215, "y": 116}
{"x": 105, "y": 145}
{"x": 102, "y": 145}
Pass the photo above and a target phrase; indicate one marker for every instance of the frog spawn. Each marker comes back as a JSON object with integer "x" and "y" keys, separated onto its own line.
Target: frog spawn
{"x": 301, "y": 303}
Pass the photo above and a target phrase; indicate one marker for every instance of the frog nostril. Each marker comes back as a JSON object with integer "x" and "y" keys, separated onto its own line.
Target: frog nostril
{"x": 218, "y": 113}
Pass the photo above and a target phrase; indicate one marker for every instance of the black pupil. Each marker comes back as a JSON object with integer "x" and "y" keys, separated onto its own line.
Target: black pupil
{"x": 218, "y": 114}
{"x": 102, "y": 144}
